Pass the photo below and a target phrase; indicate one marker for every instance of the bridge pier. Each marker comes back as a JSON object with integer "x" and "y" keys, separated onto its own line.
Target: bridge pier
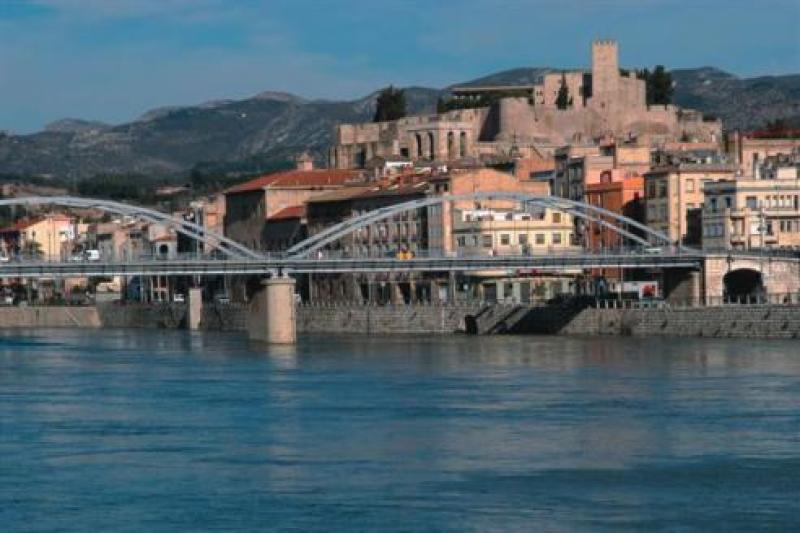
{"x": 682, "y": 285}
{"x": 271, "y": 315}
{"x": 194, "y": 312}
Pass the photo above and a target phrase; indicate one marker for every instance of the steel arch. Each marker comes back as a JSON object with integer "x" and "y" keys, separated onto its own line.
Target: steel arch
{"x": 190, "y": 229}
{"x": 575, "y": 208}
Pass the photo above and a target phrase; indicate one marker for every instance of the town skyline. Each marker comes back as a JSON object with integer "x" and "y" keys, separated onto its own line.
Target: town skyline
{"x": 204, "y": 51}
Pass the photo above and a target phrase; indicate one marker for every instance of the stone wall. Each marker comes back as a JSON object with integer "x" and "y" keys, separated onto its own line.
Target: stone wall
{"x": 49, "y": 317}
{"x": 150, "y": 316}
{"x": 741, "y": 321}
{"x": 735, "y": 321}
{"x": 384, "y": 319}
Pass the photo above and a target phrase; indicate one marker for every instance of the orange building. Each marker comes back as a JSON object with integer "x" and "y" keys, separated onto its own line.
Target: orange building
{"x": 619, "y": 194}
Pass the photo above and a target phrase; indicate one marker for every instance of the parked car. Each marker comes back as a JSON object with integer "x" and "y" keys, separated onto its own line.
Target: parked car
{"x": 92, "y": 255}
{"x": 178, "y": 298}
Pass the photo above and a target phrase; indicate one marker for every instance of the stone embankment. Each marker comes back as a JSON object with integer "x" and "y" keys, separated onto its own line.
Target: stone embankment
{"x": 730, "y": 321}
{"x": 49, "y": 317}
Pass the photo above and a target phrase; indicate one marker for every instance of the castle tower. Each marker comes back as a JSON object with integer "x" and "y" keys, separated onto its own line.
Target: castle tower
{"x": 605, "y": 73}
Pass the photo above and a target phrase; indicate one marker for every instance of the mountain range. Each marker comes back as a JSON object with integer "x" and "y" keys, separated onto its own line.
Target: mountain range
{"x": 266, "y": 130}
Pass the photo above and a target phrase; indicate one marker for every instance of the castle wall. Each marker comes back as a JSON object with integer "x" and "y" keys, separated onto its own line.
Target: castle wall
{"x": 617, "y": 107}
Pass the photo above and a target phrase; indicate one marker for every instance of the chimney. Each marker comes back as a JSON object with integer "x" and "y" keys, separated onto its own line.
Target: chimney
{"x": 304, "y": 161}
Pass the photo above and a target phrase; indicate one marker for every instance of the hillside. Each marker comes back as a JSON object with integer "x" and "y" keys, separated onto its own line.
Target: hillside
{"x": 266, "y": 130}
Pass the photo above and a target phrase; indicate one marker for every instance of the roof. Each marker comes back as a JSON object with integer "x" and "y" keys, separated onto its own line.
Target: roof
{"x": 342, "y": 194}
{"x": 26, "y": 223}
{"x": 20, "y": 225}
{"x": 297, "y": 178}
{"x": 287, "y": 213}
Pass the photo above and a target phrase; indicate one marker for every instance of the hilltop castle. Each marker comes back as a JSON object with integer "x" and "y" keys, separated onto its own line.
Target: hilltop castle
{"x": 604, "y": 102}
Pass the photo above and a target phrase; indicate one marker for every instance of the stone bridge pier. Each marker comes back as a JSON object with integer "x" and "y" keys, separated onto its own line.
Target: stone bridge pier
{"x": 683, "y": 285}
{"x": 271, "y": 315}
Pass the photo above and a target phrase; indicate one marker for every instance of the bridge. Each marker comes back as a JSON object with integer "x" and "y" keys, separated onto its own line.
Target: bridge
{"x": 694, "y": 274}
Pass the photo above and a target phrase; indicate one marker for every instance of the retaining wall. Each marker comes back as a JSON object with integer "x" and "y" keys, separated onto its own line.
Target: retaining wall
{"x": 739, "y": 321}
{"x": 383, "y": 319}
{"x": 756, "y": 321}
{"x": 49, "y": 317}
{"x": 149, "y": 316}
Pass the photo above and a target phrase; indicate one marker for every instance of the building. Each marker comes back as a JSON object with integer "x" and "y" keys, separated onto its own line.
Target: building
{"x": 495, "y": 232}
{"x": 248, "y": 206}
{"x": 755, "y": 212}
{"x": 674, "y": 197}
{"x": 401, "y": 234}
{"x": 467, "y": 181}
{"x": 749, "y": 151}
{"x": 49, "y": 238}
{"x": 524, "y": 120}
{"x": 619, "y": 192}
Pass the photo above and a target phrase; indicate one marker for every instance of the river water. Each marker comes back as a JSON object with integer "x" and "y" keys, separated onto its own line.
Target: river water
{"x": 171, "y": 431}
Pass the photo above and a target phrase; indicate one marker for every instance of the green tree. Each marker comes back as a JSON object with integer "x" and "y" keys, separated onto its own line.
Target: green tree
{"x": 658, "y": 85}
{"x": 391, "y": 105}
{"x": 563, "y": 99}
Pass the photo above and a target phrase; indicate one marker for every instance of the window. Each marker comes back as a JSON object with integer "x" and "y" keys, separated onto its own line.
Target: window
{"x": 751, "y": 202}
{"x": 556, "y": 218}
{"x": 509, "y": 216}
{"x": 487, "y": 241}
{"x": 522, "y": 239}
{"x": 728, "y": 202}
{"x": 505, "y": 239}
{"x": 462, "y": 241}
{"x": 713, "y": 205}
{"x": 556, "y": 238}
{"x": 540, "y": 238}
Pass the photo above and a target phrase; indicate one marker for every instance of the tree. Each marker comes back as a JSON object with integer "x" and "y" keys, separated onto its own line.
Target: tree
{"x": 391, "y": 105}
{"x": 658, "y": 85}
{"x": 563, "y": 100}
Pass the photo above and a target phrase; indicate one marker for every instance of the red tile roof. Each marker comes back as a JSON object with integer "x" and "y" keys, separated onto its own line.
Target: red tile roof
{"x": 296, "y": 211}
{"x": 298, "y": 178}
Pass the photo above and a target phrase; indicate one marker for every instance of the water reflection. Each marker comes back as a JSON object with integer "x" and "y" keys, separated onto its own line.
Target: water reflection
{"x": 197, "y": 431}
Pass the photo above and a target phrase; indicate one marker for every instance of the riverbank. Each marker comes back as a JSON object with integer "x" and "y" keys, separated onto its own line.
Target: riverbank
{"x": 730, "y": 321}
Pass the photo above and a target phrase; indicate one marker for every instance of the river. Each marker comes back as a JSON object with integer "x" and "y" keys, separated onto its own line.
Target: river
{"x": 170, "y": 431}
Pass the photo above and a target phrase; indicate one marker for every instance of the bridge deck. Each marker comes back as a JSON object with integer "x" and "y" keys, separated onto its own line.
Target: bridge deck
{"x": 344, "y": 265}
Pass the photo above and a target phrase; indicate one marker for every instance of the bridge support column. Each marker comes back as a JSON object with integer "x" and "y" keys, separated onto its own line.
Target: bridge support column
{"x": 194, "y": 313}
{"x": 271, "y": 316}
{"x": 684, "y": 286}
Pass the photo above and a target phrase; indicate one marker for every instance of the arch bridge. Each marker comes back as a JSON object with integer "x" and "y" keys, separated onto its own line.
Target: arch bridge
{"x": 647, "y": 248}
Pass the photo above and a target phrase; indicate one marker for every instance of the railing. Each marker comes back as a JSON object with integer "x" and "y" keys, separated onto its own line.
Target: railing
{"x": 710, "y": 301}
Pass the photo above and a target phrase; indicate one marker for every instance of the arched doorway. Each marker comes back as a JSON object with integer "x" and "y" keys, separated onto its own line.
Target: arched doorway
{"x": 743, "y": 284}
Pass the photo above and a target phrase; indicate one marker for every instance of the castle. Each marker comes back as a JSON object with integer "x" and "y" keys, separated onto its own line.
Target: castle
{"x": 604, "y": 102}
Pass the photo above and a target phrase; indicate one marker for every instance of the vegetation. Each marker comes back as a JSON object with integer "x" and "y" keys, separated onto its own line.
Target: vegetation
{"x": 134, "y": 188}
{"x": 484, "y": 100}
{"x": 563, "y": 99}
{"x": 391, "y": 105}
{"x": 777, "y": 129}
{"x": 658, "y": 85}
{"x": 210, "y": 177}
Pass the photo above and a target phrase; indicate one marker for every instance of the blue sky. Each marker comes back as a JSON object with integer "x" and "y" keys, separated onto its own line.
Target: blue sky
{"x": 111, "y": 60}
